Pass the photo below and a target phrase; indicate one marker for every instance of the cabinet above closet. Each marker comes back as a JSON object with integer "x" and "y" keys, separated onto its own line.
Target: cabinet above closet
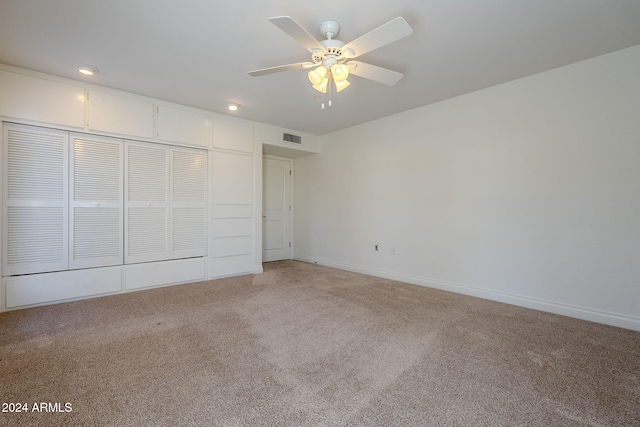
{"x": 27, "y": 97}
{"x": 183, "y": 126}
{"x": 123, "y": 115}
{"x": 45, "y": 101}
{"x": 135, "y": 117}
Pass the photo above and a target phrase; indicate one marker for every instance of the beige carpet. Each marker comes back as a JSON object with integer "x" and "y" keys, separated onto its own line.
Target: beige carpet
{"x": 308, "y": 345}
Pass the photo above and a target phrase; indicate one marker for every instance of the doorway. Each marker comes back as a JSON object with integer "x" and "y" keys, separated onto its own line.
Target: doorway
{"x": 276, "y": 208}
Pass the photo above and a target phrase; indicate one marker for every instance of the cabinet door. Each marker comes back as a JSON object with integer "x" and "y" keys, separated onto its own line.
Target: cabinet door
{"x": 96, "y": 201}
{"x": 183, "y": 126}
{"x": 188, "y": 202}
{"x": 233, "y": 134}
{"x": 33, "y": 98}
{"x": 119, "y": 114}
{"x": 35, "y": 192}
{"x": 146, "y": 202}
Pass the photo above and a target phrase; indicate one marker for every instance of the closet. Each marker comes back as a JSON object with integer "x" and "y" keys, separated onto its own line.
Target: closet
{"x": 79, "y": 201}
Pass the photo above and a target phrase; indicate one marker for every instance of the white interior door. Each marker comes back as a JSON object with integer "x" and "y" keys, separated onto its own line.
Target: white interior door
{"x": 276, "y": 209}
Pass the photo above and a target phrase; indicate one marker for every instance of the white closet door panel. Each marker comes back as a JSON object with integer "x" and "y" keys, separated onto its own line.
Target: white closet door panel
{"x": 147, "y": 218}
{"x": 35, "y": 192}
{"x": 230, "y": 227}
{"x": 148, "y": 173}
{"x": 147, "y": 234}
{"x": 97, "y": 237}
{"x": 36, "y": 240}
{"x": 96, "y": 215}
{"x": 230, "y": 265}
{"x": 97, "y": 168}
{"x": 231, "y": 211}
{"x": 189, "y": 176}
{"x": 229, "y": 246}
{"x": 36, "y": 167}
{"x": 188, "y": 232}
{"x": 188, "y": 202}
{"x": 231, "y": 178}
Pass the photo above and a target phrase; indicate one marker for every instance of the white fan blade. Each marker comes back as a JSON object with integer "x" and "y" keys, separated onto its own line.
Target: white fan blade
{"x": 279, "y": 68}
{"x": 296, "y": 32}
{"x": 388, "y": 33}
{"x": 372, "y": 72}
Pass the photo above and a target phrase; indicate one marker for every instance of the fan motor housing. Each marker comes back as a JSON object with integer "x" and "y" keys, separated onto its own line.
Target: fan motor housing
{"x": 332, "y": 51}
{"x": 329, "y": 29}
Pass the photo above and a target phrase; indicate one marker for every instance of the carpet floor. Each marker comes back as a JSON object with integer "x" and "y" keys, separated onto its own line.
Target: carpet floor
{"x": 305, "y": 345}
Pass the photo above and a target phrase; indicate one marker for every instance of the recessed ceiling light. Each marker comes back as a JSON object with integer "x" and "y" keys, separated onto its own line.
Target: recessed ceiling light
{"x": 87, "y": 70}
{"x": 232, "y": 107}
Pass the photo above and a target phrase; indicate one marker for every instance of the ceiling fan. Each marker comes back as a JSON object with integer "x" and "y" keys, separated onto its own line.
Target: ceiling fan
{"x": 332, "y": 61}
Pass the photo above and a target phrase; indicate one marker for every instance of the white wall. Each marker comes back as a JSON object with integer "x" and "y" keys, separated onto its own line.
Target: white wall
{"x": 527, "y": 192}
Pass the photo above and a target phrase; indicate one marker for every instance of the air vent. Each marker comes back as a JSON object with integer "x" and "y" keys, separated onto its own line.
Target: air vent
{"x": 296, "y": 139}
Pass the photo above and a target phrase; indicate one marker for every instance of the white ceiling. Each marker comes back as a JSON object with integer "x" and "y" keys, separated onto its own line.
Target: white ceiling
{"x": 198, "y": 52}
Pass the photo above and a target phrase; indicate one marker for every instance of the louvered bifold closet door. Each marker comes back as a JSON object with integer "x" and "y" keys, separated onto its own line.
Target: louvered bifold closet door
{"x": 188, "y": 202}
{"x": 146, "y": 202}
{"x": 96, "y": 207}
{"x": 35, "y": 192}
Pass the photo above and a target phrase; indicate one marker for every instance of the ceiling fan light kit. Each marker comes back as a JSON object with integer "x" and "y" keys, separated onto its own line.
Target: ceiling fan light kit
{"x": 331, "y": 59}
{"x": 340, "y": 86}
{"x": 318, "y": 75}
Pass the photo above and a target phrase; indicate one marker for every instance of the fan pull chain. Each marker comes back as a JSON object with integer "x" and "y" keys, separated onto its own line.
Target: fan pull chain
{"x": 329, "y": 89}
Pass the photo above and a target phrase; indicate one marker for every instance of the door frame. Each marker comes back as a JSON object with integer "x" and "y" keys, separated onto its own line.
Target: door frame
{"x": 291, "y": 198}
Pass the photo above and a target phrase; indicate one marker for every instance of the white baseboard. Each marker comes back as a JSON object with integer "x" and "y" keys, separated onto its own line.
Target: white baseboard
{"x": 588, "y": 314}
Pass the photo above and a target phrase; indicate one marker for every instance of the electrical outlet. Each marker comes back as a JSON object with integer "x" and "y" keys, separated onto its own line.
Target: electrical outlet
{"x": 375, "y": 247}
